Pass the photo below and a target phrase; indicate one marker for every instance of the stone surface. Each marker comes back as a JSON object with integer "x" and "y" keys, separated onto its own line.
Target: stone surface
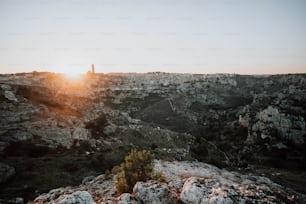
{"x": 186, "y": 182}
{"x": 77, "y": 197}
{"x": 200, "y": 190}
{"x": 153, "y": 192}
{"x": 100, "y": 188}
{"x": 10, "y": 96}
{"x": 271, "y": 119}
{"x": 127, "y": 198}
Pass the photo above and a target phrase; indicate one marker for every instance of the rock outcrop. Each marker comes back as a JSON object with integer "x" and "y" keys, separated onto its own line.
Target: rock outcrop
{"x": 80, "y": 197}
{"x": 198, "y": 190}
{"x": 186, "y": 182}
{"x": 153, "y": 192}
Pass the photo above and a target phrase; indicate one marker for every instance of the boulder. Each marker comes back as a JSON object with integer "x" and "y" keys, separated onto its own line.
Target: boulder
{"x": 195, "y": 191}
{"x": 127, "y": 198}
{"x": 154, "y": 193}
{"x": 9, "y": 95}
{"x": 78, "y": 197}
{"x": 201, "y": 190}
{"x": 101, "y": 189}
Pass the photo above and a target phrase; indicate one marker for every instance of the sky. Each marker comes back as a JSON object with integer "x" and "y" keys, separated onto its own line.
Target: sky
{"x": 182, "y": 36}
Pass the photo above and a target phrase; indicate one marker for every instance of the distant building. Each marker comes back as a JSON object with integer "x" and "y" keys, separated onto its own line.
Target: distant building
{"x": 93, "y": 68}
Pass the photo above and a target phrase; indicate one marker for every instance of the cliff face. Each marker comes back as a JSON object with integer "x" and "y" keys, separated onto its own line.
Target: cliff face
{"x": 226, "y": 120}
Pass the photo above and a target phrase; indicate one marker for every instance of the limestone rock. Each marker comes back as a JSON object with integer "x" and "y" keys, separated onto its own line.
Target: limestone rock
{"x": 205, "y": 183}
{"x": 200, "y": 190}
{"x": 153, "y": 192}
{"x": 188, "y": 182}
{"x": 78, "y": 197}
{"x": 10, "y": 96}
{"x": 288, "y": 127}
{"x": 8, "y": 93}
{"x": 194, "y": 191}
{"x": 176, "y": 184}
{"x": 101, "y": 188}
{"x": 127, "y": 198}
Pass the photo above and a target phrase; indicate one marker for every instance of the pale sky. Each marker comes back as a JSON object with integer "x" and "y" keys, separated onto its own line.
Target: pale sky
{"x": 183, "y": 36}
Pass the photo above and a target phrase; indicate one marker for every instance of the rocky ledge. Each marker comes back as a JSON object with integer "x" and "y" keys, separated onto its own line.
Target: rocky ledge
{"x": 185, "y": 182}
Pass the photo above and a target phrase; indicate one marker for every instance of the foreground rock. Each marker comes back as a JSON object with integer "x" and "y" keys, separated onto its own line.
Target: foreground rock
{"x": 153, "y": 192}
{"x": 81, "y": 197}
{"x": 186, "y": 182}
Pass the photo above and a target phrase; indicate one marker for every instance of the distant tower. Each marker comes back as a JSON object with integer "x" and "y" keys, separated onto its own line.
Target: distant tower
{"x": 93, "y": 68}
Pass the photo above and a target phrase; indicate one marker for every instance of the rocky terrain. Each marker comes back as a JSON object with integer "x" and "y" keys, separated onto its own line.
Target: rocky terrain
{"x": 185, "y": 182}
{"x": 56, "y": 131}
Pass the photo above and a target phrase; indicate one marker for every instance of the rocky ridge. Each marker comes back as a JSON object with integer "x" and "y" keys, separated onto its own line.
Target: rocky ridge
{"x": 186, "y": 182}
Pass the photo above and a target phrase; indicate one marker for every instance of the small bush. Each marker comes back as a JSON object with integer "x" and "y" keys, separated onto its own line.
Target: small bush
{"x": 138, "y": 166}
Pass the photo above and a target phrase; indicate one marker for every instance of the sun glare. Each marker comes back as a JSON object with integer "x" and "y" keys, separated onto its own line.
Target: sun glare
{"x": 74, "y": 81}
{"x": 73, "y": 76}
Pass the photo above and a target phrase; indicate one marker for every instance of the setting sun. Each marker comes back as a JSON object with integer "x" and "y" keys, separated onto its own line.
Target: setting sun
{"x": 73, "y": 81}
{"x": 73, "y": 76}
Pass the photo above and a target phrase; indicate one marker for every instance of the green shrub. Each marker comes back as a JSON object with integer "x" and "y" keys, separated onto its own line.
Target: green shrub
{"x": 138, "y": 166}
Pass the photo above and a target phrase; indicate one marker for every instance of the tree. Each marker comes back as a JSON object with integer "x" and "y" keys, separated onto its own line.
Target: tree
{"x": 138, "y": 166}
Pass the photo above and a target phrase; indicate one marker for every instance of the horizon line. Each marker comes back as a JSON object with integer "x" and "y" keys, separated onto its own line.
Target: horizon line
{"x": 156, "y": 72}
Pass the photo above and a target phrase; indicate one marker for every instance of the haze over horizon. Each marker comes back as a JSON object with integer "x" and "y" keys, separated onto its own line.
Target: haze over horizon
{"x": 197, "y": 36}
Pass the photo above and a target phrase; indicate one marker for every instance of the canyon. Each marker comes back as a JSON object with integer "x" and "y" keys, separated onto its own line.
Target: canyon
{"x": 55, "y": 131}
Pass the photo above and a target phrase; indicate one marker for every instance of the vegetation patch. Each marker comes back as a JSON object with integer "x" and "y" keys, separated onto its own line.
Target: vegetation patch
{"x": 137, "y": 166}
